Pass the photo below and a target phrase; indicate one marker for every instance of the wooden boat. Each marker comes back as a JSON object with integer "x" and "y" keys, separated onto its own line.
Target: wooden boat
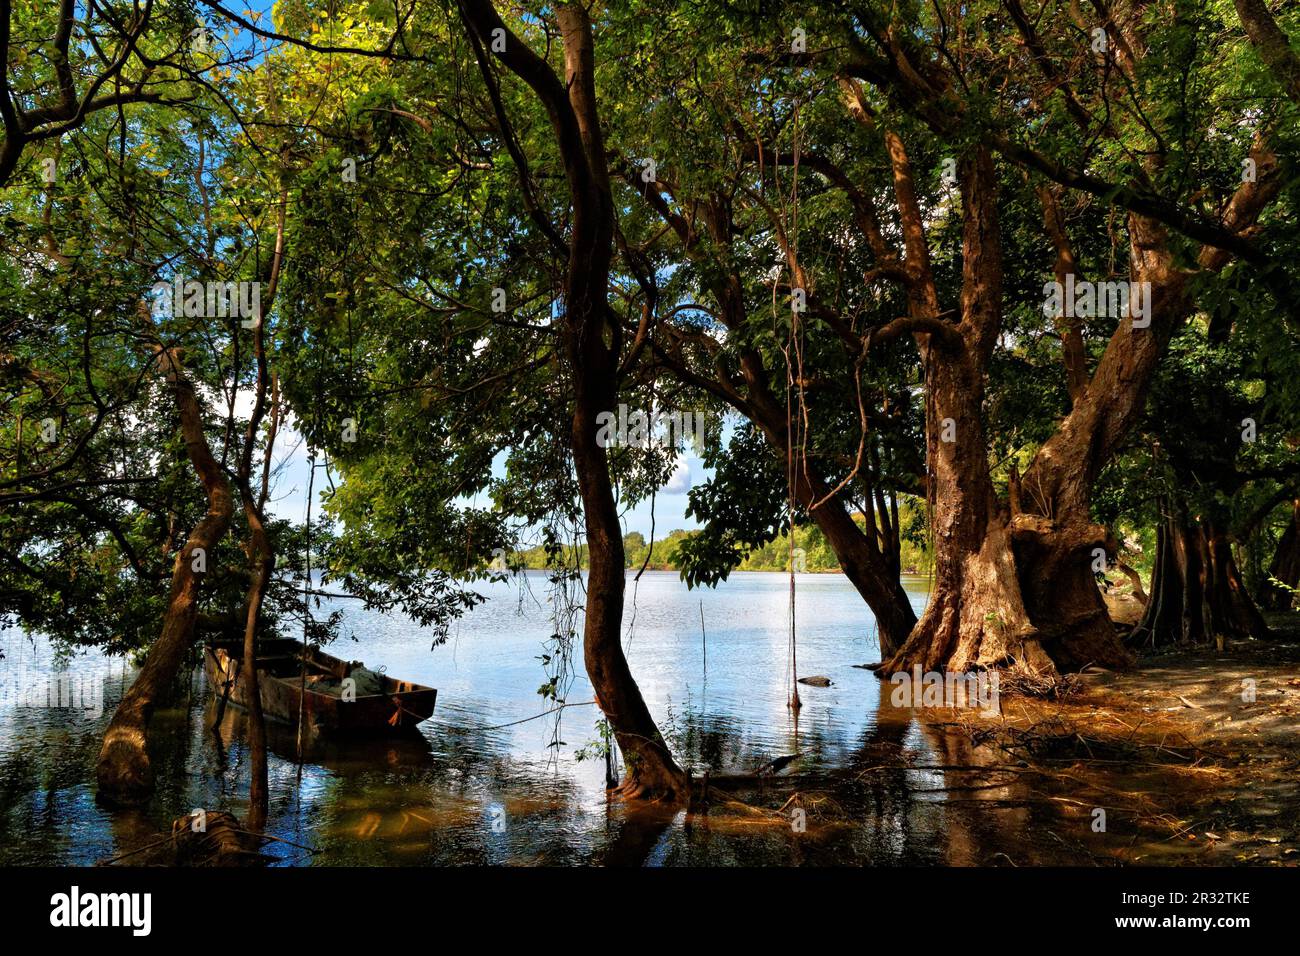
{"x": 405, "y": 748}
{"x": 341, "y": 696}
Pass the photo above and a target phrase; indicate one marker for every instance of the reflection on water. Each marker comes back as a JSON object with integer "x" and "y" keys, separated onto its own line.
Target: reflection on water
{"x": 465, "y": 789}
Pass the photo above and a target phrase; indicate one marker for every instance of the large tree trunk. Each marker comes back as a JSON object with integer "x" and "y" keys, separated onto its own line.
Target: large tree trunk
{"x": 1055, "y": 562}
{"x": 1054, "y": 537}
{"x": 1056, "y": 540}
{"x": 1005, "y": 595}
{"x": 1197, "y": 593}
{"x": 261, "y": 554}
{"x": 1285, "y": 567}
{"x": 593, "y": 339}
{"x": 976, "y": 617}
{"x": 123, "y": 771}
{"x": 1233, "y": 612}
{"x": 262, "y": 561}
{"x": 592, "y": 345}
{"x": 1176, "y": 613}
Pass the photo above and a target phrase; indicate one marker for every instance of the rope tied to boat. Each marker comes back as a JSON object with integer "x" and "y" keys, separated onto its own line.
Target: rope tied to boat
{"x": 545, "y": 713}
{"x": 396, "y": 719}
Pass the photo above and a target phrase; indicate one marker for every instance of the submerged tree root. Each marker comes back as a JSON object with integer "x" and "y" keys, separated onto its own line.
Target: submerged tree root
{"x": 219, "y": 840}
{"x": 810, "y": 793}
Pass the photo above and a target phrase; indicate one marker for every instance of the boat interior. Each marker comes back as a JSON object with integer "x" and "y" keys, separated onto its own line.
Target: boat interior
{"x": 282, "y": 658}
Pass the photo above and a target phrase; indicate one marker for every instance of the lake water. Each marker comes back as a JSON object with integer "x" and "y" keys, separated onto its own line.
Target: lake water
{"x": 467, "y": 789}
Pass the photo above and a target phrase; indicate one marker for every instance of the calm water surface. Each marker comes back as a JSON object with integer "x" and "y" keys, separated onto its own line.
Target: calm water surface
{"x": 468, "y": 790}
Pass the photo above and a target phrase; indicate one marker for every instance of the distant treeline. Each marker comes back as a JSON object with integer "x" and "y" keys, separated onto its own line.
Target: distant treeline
{"x": 817, "y": 555}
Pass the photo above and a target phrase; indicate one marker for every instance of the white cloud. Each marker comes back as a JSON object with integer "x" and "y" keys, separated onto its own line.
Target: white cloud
{"x": 680, "y": 482}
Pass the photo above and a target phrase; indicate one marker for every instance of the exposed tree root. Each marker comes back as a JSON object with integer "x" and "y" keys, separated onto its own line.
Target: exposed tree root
{"x": 635, "y": 788}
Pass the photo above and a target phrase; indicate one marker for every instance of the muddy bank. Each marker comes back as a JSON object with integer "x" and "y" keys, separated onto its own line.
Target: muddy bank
{"x": 1205, "y": 743}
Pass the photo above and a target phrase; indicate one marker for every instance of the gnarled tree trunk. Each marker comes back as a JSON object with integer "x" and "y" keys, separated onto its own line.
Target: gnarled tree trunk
{"x": 1058, "y": 542}
{"x": 1012, "y": 589}
{"x": 592, "y": 338}
{"x": 976, "y": 617}
{"x": 1049, "y": 522}
{"x": 123, "y": 771}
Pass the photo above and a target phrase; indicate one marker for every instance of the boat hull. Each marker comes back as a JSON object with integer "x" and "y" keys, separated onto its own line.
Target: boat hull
{"x": 399, "y": 704}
